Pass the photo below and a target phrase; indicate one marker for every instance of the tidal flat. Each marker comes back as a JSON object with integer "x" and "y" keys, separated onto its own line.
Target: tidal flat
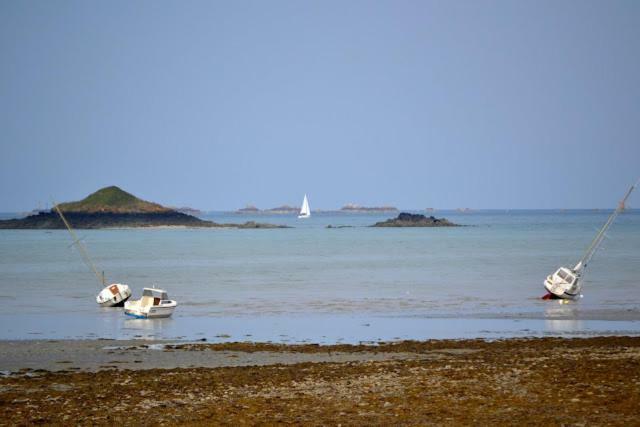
{"x": 578, "y": 381}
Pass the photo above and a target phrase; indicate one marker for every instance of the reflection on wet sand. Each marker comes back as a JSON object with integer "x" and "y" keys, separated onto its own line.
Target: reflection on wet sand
{"x": 562, "y": 318}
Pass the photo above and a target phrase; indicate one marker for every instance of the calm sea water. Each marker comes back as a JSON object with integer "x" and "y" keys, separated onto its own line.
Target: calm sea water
{"x": 310, "y": 283}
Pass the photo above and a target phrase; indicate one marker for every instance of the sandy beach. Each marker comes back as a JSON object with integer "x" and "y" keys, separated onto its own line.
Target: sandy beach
{"x": 551, "y": 381}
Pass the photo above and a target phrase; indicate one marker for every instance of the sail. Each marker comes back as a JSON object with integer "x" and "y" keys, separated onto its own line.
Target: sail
{"x": 304, "y": 210}
{"x": 601, "y": 234}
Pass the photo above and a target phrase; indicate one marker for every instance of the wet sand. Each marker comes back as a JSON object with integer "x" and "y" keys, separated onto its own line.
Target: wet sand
{"x": 549, "y": 381}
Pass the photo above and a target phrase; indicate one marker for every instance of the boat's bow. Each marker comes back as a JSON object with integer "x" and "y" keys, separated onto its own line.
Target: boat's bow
{"x": 564, "y": 283}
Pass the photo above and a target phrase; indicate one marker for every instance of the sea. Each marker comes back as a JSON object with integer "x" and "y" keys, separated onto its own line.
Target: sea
{"x": 310, "y": 283}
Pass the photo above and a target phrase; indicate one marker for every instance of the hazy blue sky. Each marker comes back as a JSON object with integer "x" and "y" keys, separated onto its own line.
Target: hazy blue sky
{"x": 506, "y": 104}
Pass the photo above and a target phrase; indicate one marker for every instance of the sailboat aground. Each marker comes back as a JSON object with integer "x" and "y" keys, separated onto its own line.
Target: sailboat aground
{"x": 566, "y": 283}
{"x": 114, "y": 295}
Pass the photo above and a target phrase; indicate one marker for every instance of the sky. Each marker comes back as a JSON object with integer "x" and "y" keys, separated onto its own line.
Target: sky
{"x": 215, "y": 105}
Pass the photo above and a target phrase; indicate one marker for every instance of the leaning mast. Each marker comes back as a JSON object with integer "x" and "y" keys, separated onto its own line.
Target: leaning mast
{"x": 80, "y": 246}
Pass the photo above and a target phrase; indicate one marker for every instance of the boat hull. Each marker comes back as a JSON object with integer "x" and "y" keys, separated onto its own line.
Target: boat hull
{"x": 155, "y": 313}
{"x": 141, "y": 311}
{"x": 561, "y": 290}
{"x": 114, "y": 295}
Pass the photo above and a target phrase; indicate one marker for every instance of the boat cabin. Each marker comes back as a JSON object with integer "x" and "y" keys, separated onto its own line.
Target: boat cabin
{"x": 151, "y": 296}
{"x": 566, "y": 275}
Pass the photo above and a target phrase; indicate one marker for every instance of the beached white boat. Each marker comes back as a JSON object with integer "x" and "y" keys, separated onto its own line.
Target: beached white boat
{"x": 155, "y": 303}
{"x": 566, "y": 283}
{"x": 305, "y": 212}
{"x": 113, "y": 295}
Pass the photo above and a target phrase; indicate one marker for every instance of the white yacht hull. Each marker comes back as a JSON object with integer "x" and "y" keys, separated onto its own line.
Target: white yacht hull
{"x": 114, "y": 295}
{"x": 144, "y": 310}
{"x": 562, "y": 290}
{"x": 152, "y": 313}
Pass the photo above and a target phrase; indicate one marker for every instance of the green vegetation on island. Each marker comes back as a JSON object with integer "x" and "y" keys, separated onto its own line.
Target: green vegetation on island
{"x": 115, "y": 200}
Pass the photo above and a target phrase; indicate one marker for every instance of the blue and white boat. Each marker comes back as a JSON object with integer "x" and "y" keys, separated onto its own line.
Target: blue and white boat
{"x": 154, "y": 304}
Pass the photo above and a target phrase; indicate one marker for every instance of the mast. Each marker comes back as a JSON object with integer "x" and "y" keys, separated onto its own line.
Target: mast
{"x": 593, "y": 247}
{"x": 80, "y": 246}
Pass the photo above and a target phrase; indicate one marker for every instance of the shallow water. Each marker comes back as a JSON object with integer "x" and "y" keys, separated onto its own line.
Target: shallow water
{"x": 322, "y": 285}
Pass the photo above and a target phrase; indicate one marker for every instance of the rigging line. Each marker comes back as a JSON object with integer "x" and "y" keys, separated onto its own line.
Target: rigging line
{"x": 80, "y": 246}
{"x": 601, "y": 234}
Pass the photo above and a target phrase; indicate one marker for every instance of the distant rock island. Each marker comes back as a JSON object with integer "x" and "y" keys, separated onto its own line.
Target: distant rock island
{"x": 249, "y": 209}
{"x": 112, "y": 207}
{"x": 415, "y": 220}
{"x": 284, "y": 209}
{"x": 351, "y": 207}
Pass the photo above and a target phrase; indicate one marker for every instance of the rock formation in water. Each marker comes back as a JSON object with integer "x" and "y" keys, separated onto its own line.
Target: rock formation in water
{"x": 415, "y": 220}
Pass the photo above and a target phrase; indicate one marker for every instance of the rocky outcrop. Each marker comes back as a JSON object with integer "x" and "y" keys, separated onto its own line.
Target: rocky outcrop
{"x": 112, "y": 207}
{"x": 415, "y": 220}
{"x": 92, "y": 220}
{"x": 253, "y": 224}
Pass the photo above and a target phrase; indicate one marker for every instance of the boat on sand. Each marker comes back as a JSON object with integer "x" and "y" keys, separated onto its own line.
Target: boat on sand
{"x": 113, "y": 295}
{"x": 566, "y": 283}
{"x": 155, "y": 303}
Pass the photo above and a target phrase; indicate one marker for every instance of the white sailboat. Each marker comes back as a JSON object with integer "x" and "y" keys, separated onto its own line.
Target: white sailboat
{"x": 305, "y": 212}
{"x": 113, "y": 295}
{"x": 566, "y": 283}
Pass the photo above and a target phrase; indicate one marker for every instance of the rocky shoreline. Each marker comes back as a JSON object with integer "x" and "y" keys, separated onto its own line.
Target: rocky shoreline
{"x": 52, "y": 221}
{"x": 548, "y": 381}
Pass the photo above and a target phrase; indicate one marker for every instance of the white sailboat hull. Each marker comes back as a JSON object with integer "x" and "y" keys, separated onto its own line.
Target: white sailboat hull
{"x": 561, "y": 289}
{"x": 114, "y": 295}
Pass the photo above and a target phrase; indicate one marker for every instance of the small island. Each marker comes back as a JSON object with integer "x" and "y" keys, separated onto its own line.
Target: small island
{"x": 284, "y": 209}
{"x": 415, "y": 220}
{"x": 112, "y": 207}
{"x": 353, "y": 208}
{"x": 249, "y": 209}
